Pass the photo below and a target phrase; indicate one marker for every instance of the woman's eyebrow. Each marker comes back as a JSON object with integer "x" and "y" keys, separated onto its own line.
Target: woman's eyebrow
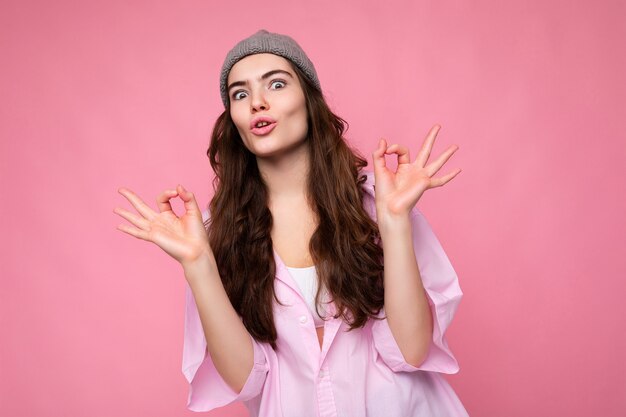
{"x": 264, "y": 76}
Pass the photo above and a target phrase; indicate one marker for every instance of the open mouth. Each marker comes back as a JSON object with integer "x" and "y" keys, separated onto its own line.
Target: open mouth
{"x": 263, "y": 128}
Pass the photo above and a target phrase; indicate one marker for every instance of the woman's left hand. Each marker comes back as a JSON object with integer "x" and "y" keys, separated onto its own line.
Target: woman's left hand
{"x": 397, "y": 192}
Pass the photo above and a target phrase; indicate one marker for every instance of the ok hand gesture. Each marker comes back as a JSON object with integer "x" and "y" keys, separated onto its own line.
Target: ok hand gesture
{"x": 397, "y": 192}
{"x": 184, "y": 238}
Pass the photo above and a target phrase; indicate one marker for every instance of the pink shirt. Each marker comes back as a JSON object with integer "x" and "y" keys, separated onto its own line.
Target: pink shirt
{"x": 357, "y": 373}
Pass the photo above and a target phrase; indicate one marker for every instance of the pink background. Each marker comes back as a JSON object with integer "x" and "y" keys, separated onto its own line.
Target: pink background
{"x": 98, "y": 95}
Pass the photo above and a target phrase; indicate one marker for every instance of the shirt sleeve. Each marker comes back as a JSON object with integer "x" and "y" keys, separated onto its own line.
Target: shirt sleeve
{"x": 444, "y": 295}
{"x": 207, "y": 389}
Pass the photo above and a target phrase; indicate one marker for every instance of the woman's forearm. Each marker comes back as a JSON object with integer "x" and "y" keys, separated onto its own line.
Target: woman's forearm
{"x": 406, "y": 303}
{"x": 228, "y": 341}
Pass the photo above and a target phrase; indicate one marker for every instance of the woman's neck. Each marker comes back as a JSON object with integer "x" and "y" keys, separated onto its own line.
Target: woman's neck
{"x": 286, "y": 176}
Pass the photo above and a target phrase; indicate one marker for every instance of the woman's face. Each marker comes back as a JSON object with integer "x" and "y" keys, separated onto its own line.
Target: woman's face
{"x": 265, "y": 87}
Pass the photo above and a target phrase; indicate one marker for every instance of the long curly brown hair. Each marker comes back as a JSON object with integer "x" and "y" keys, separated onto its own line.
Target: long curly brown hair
{"x": 345, "y": 247}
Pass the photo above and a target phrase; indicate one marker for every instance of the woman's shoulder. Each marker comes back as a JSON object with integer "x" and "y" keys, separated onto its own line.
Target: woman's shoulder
{"x": 206, "y": 215}
{"x": 368, "y": 193}
{"x": 368, "y": 185}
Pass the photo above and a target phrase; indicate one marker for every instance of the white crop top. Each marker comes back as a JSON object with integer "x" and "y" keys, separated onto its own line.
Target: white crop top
{"x": 306, "y": 278}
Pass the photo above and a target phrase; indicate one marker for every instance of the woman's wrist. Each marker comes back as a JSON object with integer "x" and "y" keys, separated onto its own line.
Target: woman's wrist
{"x": 204, "y": 264}
{"x": 392, "y": 223}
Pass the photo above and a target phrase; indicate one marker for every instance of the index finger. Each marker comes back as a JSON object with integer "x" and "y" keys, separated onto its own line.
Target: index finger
{"x": 404, "y": 156}
{"x": 163, "y": 200}
{"x": 137, "y": 202}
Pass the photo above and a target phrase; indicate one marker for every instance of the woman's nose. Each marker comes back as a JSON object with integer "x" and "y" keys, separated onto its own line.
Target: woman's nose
{"x": 259, "y": 102}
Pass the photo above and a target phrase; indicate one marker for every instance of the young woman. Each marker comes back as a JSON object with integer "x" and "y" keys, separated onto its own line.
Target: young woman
{"x": 314, "y": 288}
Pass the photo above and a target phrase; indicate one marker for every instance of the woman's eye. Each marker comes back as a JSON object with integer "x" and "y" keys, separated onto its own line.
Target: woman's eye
{"x": 280, "y": 82}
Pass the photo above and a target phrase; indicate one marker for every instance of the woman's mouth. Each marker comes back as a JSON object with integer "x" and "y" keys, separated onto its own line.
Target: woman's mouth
{"x": 263, "y": 130}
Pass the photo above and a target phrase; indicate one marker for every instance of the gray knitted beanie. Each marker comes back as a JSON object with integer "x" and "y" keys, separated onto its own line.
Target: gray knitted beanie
{"x": 267, "y": 42}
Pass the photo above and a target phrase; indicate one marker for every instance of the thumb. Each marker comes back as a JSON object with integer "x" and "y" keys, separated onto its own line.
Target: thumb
{"x": 378, "y": 156}
{"x": 188, "y": 198}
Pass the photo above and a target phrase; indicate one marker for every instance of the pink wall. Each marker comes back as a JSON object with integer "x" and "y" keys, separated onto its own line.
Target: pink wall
{"x": 98, "y": 95}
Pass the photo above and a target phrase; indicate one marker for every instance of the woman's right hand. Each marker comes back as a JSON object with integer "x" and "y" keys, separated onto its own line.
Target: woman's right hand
{"x": 184, "y": 238}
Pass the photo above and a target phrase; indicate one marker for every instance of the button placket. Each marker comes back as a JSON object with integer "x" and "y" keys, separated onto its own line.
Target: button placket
{"x": 325, "y": 396}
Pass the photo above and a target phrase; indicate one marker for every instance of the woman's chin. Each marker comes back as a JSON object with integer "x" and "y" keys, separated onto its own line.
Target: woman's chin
{"x": 272, "y": 151}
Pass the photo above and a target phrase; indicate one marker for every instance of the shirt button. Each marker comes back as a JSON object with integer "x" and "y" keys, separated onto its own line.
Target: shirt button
{"x": 322, "y": 373}
{"x": 302, "y": 319}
